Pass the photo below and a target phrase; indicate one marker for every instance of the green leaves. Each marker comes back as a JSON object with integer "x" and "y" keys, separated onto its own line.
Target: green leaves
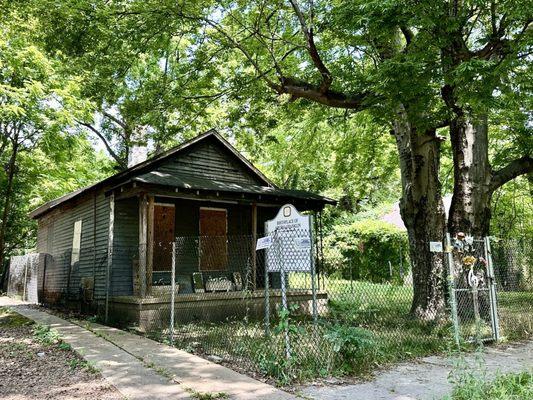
{"x": 40, "y": 100}
{"x": 369, "y": 249}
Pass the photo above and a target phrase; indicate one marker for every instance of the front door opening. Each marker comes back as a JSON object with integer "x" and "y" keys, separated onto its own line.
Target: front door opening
{"x": 163, "y": 228}
{"x": 213, "y": 245}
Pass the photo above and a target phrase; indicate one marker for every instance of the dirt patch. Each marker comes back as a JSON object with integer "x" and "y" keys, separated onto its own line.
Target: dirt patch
{"x": 34, "y": 364}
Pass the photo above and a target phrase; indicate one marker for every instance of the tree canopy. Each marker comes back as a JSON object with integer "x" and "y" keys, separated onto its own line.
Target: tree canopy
{"x": 366, "y": 101}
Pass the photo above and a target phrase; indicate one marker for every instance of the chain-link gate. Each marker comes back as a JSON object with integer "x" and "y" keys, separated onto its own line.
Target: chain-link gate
{"x": 472, "y": 289}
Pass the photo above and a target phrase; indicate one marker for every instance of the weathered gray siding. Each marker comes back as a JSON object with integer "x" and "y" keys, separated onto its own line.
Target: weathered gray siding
{"x": 210, "y": 159}
{"x": 55, "y": 234}
{"x": 125, "y": 246}
{"x": 42, "y": 236}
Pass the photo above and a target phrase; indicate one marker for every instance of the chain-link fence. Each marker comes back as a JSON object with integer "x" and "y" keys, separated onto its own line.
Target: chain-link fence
{"x": 277, "y": 311}
{"x": 282, "y": 311}
{"x": 513, "y": 270}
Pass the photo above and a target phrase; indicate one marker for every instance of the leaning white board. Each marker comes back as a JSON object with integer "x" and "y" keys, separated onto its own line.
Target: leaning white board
{"x": 293, "y": 239}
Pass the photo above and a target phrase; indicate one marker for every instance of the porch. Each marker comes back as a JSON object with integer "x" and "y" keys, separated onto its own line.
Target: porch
{"x": 217, "y": 272}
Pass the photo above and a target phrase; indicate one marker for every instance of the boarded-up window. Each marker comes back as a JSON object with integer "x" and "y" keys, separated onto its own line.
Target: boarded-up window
{"x": 213, "y": 239}
{"x": 76, "y": 243}
{"x": 164, "y": 218}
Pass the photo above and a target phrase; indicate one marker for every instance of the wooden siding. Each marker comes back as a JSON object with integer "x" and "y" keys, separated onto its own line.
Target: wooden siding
{"x": 55, "y": 234}
{"x": 209, "y": 159}
{"x": 125, "y": 246}
{"x": 42, "y": 236}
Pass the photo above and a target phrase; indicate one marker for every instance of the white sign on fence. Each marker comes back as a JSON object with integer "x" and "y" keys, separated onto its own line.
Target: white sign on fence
{"x": 263, "y": 243}
{"x": 435, "y": 247}
{"x": 294, "y": 239}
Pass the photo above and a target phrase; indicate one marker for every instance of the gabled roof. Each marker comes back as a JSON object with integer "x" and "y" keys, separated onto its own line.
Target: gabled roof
{"x": 143, "y": 169}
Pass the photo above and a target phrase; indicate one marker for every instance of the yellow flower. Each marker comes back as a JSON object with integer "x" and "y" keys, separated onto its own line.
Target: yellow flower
{"x": 469, "y": 260}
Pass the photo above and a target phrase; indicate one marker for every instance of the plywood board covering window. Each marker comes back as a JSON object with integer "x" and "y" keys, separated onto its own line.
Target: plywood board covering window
{"x": 213, "y": 239}
{"x": 76, "y": 243}
{"x": 163, "y": 231}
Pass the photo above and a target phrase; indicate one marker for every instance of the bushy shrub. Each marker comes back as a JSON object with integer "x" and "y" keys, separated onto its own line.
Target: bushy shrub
{"x": 370, "y": 250}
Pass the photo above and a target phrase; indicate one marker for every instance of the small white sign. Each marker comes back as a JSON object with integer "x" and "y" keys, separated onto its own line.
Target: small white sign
{"x": 264, "y": 243}
{"x": 302, "y": 242}
{"x": 435, "y": 247}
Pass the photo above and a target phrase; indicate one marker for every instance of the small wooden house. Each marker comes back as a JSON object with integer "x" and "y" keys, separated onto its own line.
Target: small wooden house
{"x": 111, "y": 243}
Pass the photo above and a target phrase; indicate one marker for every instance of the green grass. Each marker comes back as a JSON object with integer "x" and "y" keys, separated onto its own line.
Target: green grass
{"x": 45, "y": 335}
{"x": 77, "y": 363}
{"x": 517, "y": 386}
{"x": 10, "y": 319}
{"x": 365, "y": 326}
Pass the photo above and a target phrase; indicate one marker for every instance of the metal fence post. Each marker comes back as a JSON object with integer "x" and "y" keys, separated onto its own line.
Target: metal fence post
{"x": 267, "y": 294}
{"x": 451, "y": 283}
{"x": 492, "y": 291}
{"x": 313, "y": 274}
{"x": 173, "y": 292}
{"x": 267, "y": 304}
{"x": 284, "y": 303}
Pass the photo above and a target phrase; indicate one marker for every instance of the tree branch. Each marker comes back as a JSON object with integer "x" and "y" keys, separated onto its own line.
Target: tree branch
{"x": 407, "y": 34}
{"x": 110, "y": 150}
{"x": 292, "y": 86}
{"x": 515, "y": 168}
{"x": 499, "y": 46}
{"x": 312, "y": 50}
{"x": 301, "y": 89}
{"x": 115, "y": 120}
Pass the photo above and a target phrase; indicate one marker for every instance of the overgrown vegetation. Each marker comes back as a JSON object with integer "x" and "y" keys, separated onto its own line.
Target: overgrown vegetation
{"x": 472, "y": 382}
{"x": 369, "y": 250}
{"x": 10, "y": 319}
{"x": 517, "y": 386}
{"x": 46, "y": 335}
{"x": 367, "y": 326}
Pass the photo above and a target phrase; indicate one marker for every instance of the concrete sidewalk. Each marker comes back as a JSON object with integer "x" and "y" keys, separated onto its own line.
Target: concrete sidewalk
{"x": 189, "y": 370}
{"x": 427, "y": 378}
{"x": 143, "y": 369}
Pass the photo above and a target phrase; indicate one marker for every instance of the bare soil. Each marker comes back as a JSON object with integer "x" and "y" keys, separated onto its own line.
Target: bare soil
{"x": 30, "y": 368}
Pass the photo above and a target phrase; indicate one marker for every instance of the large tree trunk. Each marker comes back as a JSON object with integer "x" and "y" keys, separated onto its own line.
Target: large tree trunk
{"x": 472, "y": 192}
{"x": 423, "y": 215}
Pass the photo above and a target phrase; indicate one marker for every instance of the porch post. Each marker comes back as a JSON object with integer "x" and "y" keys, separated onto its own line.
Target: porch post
{"x": 143, "y": 220}
{"x": 254, "y": 241}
